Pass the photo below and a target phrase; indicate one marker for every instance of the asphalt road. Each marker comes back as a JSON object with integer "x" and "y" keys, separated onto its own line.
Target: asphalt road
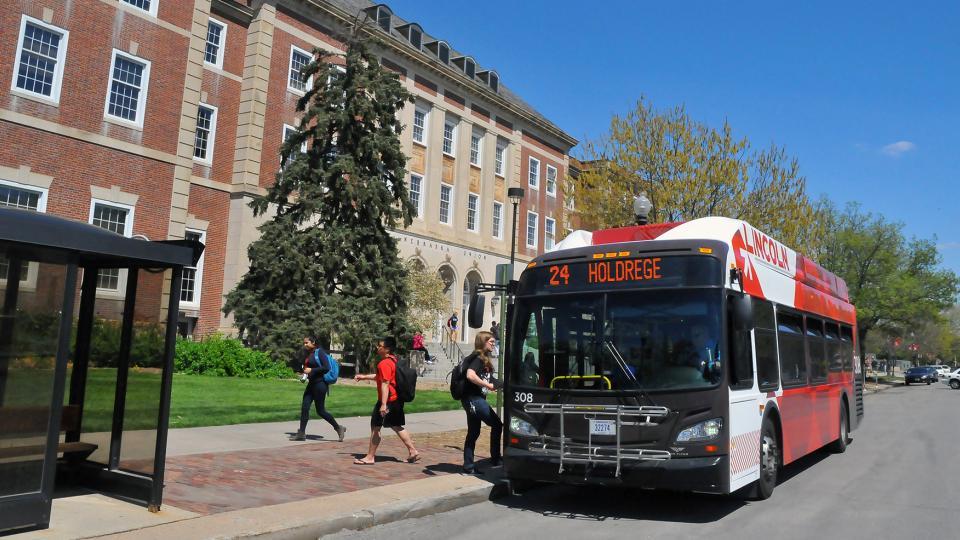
{"x": 900, "y": 478}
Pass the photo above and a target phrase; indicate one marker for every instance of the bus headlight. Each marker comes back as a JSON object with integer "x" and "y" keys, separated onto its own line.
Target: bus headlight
{"x": 522, "y": 427}
{"x": 704, "y": 431}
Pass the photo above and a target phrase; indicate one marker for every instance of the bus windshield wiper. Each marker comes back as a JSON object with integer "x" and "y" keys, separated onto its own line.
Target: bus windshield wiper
{"x": 622, "y": 364}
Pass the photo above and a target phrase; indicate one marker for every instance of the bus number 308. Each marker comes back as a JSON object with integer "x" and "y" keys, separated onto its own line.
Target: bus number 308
{"x": 523, "y": 397}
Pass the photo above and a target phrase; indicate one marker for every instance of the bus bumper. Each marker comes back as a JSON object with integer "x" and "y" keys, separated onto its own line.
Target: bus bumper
{"x": 701, "y": 474}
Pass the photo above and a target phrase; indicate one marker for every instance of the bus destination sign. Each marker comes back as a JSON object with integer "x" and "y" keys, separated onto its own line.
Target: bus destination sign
{"x": 625, "y": 273}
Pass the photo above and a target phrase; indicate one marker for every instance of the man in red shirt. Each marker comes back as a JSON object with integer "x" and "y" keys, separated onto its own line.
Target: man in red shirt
{"x": 388, "y": 412}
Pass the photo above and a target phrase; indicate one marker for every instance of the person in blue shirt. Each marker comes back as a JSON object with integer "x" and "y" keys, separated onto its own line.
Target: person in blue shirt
{"x": 315, "y": 366}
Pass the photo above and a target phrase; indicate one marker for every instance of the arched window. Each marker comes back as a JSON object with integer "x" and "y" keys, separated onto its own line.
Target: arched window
{"x": 470, "y": 68}
{"x": 383, "y": 17}
{"x": 495, "y": 82}
{"x": 443, "y": 52}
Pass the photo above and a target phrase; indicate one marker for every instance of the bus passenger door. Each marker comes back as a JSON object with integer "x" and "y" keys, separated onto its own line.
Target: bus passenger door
{"x": 744, "y": 416}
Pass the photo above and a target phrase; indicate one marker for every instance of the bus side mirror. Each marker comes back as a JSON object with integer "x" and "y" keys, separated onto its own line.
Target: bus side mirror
{"x": 475, "y": 313}
{"x": 742, "y": 312}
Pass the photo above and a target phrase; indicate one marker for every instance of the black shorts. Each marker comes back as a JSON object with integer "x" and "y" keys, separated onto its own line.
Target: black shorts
{"x": 393, "y": 419}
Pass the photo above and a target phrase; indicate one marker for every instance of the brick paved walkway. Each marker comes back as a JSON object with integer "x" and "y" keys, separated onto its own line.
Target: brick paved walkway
{"x": 220, "y": 482}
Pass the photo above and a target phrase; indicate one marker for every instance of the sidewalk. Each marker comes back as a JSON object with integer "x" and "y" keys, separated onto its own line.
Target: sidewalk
{"x": 248, "y": 480}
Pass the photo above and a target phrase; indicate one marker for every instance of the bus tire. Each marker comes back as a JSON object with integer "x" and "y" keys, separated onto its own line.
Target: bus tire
{"x": 770, "y": 462}
{"x": 839, "y": 446}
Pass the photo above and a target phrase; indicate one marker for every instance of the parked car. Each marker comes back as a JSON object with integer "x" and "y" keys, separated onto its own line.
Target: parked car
{"x": 942, "y": 371}
{"x": 952, "y": 380}
{"x": 920, "y": 375}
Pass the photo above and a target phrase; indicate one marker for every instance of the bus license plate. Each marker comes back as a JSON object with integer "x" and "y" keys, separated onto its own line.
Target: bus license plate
{"x": 603, "y": 427}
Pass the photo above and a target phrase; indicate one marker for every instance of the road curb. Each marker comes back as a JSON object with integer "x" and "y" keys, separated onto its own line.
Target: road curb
{"x": 314, "y": 518}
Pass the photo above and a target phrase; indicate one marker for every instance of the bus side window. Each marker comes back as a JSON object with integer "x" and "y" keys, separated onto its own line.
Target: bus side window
{"x": 790, "y": 342}
{"x": 741, "y": 358}
{"x": 834, "y": 348}
{"x": 816, "y": 350}
{"x": 765, "y": 342}
{"x": 846, "y": 354}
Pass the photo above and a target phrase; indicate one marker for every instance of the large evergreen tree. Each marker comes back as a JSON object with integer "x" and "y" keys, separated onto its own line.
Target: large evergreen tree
{"x": 325, "y": 262}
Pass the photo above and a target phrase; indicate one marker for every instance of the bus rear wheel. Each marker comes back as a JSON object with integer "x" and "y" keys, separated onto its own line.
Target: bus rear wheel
{"x": 770, "y": 461}
{"x": 839, "y": 446}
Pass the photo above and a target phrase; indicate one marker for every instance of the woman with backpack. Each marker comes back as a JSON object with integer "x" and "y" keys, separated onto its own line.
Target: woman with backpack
{"x": 478, "y": 368}
{"x": 315, "y": 366}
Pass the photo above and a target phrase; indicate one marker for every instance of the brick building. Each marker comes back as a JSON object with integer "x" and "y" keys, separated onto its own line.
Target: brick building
{"x": 163, "y": 118}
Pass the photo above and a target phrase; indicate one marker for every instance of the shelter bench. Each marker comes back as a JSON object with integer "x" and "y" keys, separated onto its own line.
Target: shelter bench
{"x": 26, "y": 420}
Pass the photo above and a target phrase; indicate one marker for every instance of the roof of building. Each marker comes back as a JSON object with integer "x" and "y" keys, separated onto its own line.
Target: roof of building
{"x": 358, "y": 6}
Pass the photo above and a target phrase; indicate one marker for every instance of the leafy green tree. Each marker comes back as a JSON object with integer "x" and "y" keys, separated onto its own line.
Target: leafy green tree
{"x": 690, "y": 170}
{"x": 427, "y": 301}
{"x": 895, "y": 283}
{"x": 325, "y": 261}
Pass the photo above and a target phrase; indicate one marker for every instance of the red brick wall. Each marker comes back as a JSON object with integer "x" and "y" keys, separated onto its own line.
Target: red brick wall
{"x": 537, "y": 200}
{"x": 212, "y": 206}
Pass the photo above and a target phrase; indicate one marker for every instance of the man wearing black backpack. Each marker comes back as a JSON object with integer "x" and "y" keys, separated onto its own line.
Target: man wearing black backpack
{"x": 388, "y": 412}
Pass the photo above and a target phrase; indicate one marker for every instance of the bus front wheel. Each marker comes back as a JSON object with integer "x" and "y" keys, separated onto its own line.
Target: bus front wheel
{"x": 769, "y": 461}
{"x": 839, "y": 446}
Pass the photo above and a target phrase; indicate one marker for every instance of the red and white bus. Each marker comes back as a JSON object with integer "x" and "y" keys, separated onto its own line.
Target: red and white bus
{"x": 698, "y": 356}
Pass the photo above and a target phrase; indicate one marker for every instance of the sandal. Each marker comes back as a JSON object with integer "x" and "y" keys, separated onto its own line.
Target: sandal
{"x": 359, "y": 461}
{"x": 414, "y": 458}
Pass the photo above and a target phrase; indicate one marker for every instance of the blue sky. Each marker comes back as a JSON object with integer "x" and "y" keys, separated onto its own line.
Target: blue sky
{"x": 866, "y": 95}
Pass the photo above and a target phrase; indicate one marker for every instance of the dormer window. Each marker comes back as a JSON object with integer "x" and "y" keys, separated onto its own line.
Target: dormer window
{"x": 494, "y": 82}
{"x": 414, "y": 34}
{"x": 383, "y": 15}
{"x": 443, "y": 53}
{"x": 470, "y": 68}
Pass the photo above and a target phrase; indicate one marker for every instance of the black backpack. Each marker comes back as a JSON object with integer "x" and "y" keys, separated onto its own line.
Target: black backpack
{"x": 406, "y": 381}
{"x": 458, "y": 380}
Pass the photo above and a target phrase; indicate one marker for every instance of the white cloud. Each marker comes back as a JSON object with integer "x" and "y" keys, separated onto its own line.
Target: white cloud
{"x": 898, "y": 148}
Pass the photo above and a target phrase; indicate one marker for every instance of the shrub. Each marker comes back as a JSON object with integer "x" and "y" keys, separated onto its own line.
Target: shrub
{"x": 145, "y": 351}
{"x": 226, "y": 357}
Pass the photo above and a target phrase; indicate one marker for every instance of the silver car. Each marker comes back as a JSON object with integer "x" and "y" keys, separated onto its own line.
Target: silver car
{"x": 952, "y": 379}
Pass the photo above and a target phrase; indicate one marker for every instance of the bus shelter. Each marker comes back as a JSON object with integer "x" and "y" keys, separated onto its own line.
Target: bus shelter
{"x": 88, "y": 322}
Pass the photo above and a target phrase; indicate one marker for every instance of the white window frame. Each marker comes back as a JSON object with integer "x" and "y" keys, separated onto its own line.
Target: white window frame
{"x": 283, "y": 139}
{"x": 476, "y": 212}
{"x": 497, "y": 222}
{"x": 426, "y": 126}
{"x": 450, "y": 202}
{"x": 142, "y": 100}
{"x": 198, "y": 279}
{"x": 121, "y": 289}
{"x": 294, "y": 49}
{"x": 536, "y": 229}
{"x": 54, "y": 97}
{"x": 476, "y": 154}
{"x": 32, "y": 266}
{"x": 533, "y": 180}
{"x": 453, "y": 138}
{"x": 552, "y": 192}
{"x": 421, "y": 194}
{"x": 552, "y": 231}
{"x": 152, "y": 11}
{"x": 208, "y": 159}
{"x": 500, "y": 160}
{"x": 220, "y": 46}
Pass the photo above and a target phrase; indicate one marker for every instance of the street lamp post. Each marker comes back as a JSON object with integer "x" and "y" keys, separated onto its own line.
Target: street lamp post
{"x": 515, "y": 194}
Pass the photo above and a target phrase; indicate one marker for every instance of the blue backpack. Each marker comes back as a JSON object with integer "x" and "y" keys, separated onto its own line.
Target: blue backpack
{"x": 331, "y": 376}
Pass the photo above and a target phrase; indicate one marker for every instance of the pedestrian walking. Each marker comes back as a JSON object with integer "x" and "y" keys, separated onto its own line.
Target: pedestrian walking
{"x": 315, "y": 366}
{"x": 388, "y": 412}
{"x": 479, "y": 375}
{"x": 495, "y": 330}
{"x": 419, "y": 346}
{"x": 452, "y": 323}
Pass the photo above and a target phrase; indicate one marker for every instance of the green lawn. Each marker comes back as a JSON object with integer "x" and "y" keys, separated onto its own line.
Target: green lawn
{"x": 205, "y": 401}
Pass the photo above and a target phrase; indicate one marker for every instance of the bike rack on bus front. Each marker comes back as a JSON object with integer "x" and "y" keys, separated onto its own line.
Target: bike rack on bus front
{"x": 590, "y": 454}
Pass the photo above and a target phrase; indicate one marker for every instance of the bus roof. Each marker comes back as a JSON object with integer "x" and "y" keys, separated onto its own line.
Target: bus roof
{"x": 769, "y": 268}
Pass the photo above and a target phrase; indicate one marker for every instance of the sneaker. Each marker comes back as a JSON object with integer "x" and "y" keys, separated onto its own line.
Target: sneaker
{"x": 496, "y": 462}
{"x": 300, "y": 436}
{"x": 341, "y": 430}
{"x": 471, "y": 470}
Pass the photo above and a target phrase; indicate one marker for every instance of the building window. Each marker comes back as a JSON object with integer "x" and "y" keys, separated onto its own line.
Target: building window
{"x": 206, "y": 130}
{"x": 449, "y": 137}
{"x": 551, "y": 180}
{"x": 473, "y": 204}
{"x": 498, "y": 159}
{"x": 495, "y": 82}
{"x": 549, "y": 233}
{"x": 114, "y": 218}
{"x": 41, "y": 52}
{"x": 532, "y": 229}
{"x": 470, "y": 68}
{"x": 13, "y": 195}
{"x": 443, "y": 53}
{"x": 497, "y": 219}
{"x": 420, "y": 126}
{"x": 216, "y": 38}
{"x": 476, "y": 145}
{"x": 416, "y": 37}
{"x": 416, "y": 193}
{"x": 127, "y": 99}
{"x": 149, "y": 6}
{"x": 299, "y": 59}
{"x": 383, "y": 18}
{"x": 192, "y": 275}
{"x": 446, "y": 195}
{"x": 288, "y": 131}
{"x": 534, "y": 173}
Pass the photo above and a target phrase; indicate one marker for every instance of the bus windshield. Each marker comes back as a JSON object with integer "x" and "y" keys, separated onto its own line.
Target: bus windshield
{"x": 638, "y": 340}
